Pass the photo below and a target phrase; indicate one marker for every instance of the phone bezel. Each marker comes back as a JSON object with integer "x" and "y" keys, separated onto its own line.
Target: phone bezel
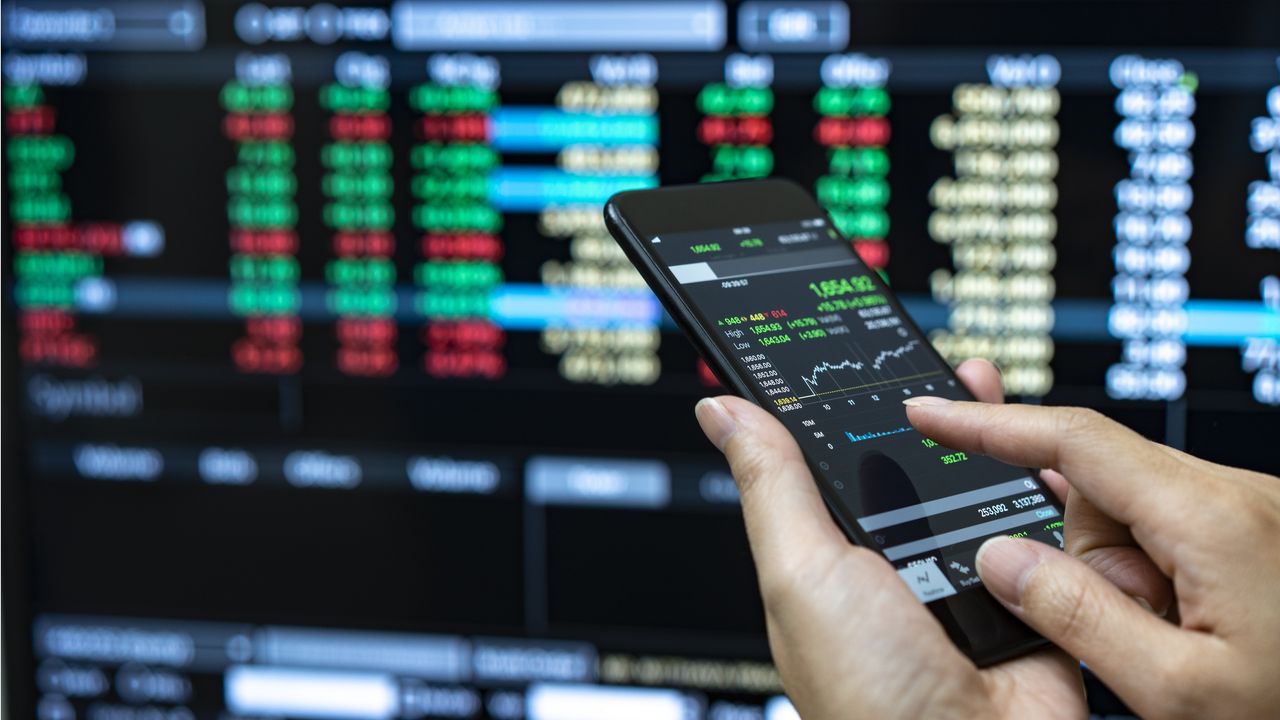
{"x": 975, "y": 621}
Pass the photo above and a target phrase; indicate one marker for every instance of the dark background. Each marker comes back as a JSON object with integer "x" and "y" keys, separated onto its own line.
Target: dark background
{"x": 677, "y": 581}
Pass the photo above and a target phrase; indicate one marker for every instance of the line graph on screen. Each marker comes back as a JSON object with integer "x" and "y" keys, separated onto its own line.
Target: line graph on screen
{"x": 865, "y": 371}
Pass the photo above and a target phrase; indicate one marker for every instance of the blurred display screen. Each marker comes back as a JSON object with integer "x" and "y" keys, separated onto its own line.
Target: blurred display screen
{"x": 328, "y": 394}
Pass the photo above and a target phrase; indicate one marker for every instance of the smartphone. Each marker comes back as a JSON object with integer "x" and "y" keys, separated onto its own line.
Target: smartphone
{"x": 786, "y": 314}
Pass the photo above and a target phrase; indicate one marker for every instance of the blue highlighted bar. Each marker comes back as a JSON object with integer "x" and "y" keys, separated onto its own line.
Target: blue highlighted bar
{"x": 1226, "y": 323}
{"x": 547, "y": 130}
{"x": 521, "y": 306}
{"x": 531, "y": 189}
{"x": 1210, "y": 323}
{"x": 649, "y": 25}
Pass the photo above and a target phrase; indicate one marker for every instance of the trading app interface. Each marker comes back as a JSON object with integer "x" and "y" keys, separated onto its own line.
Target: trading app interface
{"x": 327, "y": 391}
{"x": 816, "y": 338}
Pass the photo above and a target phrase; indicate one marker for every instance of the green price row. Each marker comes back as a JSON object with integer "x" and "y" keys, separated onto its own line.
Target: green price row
{"x": 436, "y": 304}
{"x": 253, "y": 299}
{"x": 841, "y": 304}
{"x": 40, "y": 208}
{"x": 348, "y": 185}
{"x": 343, "y": 99}
{"x": 66, "y": 266}
{"x": 864, "y": 223}
{"x": 254, "y": 213}
{"x": 457, "y": 273}
{"x": 481, "y": 218}
{"x": 835, "y": 190}
{"x": 361, "y": 301}
{"x": 257, "y": 269}
{"x": 54, "y": 152}
{"x": 240, "y": 98}
{"x": 360, "y": 271}
{"x": 851, "y": 101}
{"x": 741, "y": 161}
{"x": 359, "y": 216}
{"x": 451, "y": 157}
{"x": 28, "y": 294}
{"x": 859, "y": 161}
{"x": 347, "y": 156}
{"x": 22, "y": 96}
{"x": 467, "y": 188}
{"x": 721, "y": 99}
{"x": 433, "y": 98}
{"x": 835, "y": 287}
{"x": 41, "y": 180}
{"x": 264, "y": 183}
{"x": 268, "y": 153}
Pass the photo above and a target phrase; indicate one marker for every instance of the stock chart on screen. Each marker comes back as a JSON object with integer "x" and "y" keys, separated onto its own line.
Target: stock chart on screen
{"x": 329, "y": 395}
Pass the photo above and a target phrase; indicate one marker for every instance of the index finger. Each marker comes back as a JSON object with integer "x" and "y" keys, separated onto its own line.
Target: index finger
{"x": 983, "y": 379}
{"x": 1109, "y": 464}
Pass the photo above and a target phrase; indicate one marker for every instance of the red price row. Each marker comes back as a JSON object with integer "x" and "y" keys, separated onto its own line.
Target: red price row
{"x": 264, "y": 242}
{"x": 454, "y": 128}
{"x": 360, "y": 127}
{"x": 857, "y": 132}
{"x": 465, "y": 364}
{"x": 364, "y": 244}
{"x": 718, "y": 130}
{"x": 463, "y": 246}
{"x": 30, "y": 121}
{"x": 472, "y": 335}
{"x": 270, "y": 126}
{"x": 97, "y": 238}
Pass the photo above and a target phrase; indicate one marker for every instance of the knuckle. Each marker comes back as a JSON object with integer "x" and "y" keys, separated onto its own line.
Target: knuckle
{"x": 1224, "y": 513}
{"x": 1077, "y": 420}
{"x": 1260, "y": 513}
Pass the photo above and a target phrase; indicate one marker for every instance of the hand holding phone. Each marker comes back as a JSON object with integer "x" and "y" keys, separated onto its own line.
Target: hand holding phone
{"x": 848, "y": 633}
{"x": 786, "y": 314}
{"x": 848, "y": 644}
{"x": 849, "y": 638}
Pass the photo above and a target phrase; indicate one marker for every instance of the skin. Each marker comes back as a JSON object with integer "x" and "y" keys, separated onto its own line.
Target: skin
{"x": 1169, "y": 589}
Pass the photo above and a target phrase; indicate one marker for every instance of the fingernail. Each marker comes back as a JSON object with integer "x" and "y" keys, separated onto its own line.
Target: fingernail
{"x": 1003, "y": 565}
{"x": 1144, "y": 604}
{"x": 925, "y": 400}
{"x": 715, "y": 420}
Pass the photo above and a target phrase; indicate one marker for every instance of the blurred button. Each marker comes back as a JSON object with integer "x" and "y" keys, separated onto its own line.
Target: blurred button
{"x": 962, "y": 568}
{"x": 793, "y": 26}
{"x": 597, "y": 482}
{"x": 927, "y": 582}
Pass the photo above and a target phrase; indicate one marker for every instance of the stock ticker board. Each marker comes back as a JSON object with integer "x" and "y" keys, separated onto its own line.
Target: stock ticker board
{"x": 326, "y": 382}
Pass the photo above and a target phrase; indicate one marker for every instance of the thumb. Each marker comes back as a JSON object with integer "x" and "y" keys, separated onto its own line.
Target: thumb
{"x": 1082, "y": 613}
{"x": 787, "y": 522}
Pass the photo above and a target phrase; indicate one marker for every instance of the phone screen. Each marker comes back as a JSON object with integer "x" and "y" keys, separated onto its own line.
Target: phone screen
{"x": 819, "y": 340}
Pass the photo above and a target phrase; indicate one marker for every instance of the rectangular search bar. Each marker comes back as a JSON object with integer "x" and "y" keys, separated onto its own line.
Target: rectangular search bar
{"x": 140, "y": 26}
{"x": 303, "y": 692}
{"x": 778, "y": 262}
{"x": 553, "y": 701}
{"x": 688, "y": 25}
{"x": 991, "y": 527}
{"x": 871, "y": 523}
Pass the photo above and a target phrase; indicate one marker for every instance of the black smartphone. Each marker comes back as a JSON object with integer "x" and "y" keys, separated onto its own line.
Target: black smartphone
{"x": 786, "y": 314}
